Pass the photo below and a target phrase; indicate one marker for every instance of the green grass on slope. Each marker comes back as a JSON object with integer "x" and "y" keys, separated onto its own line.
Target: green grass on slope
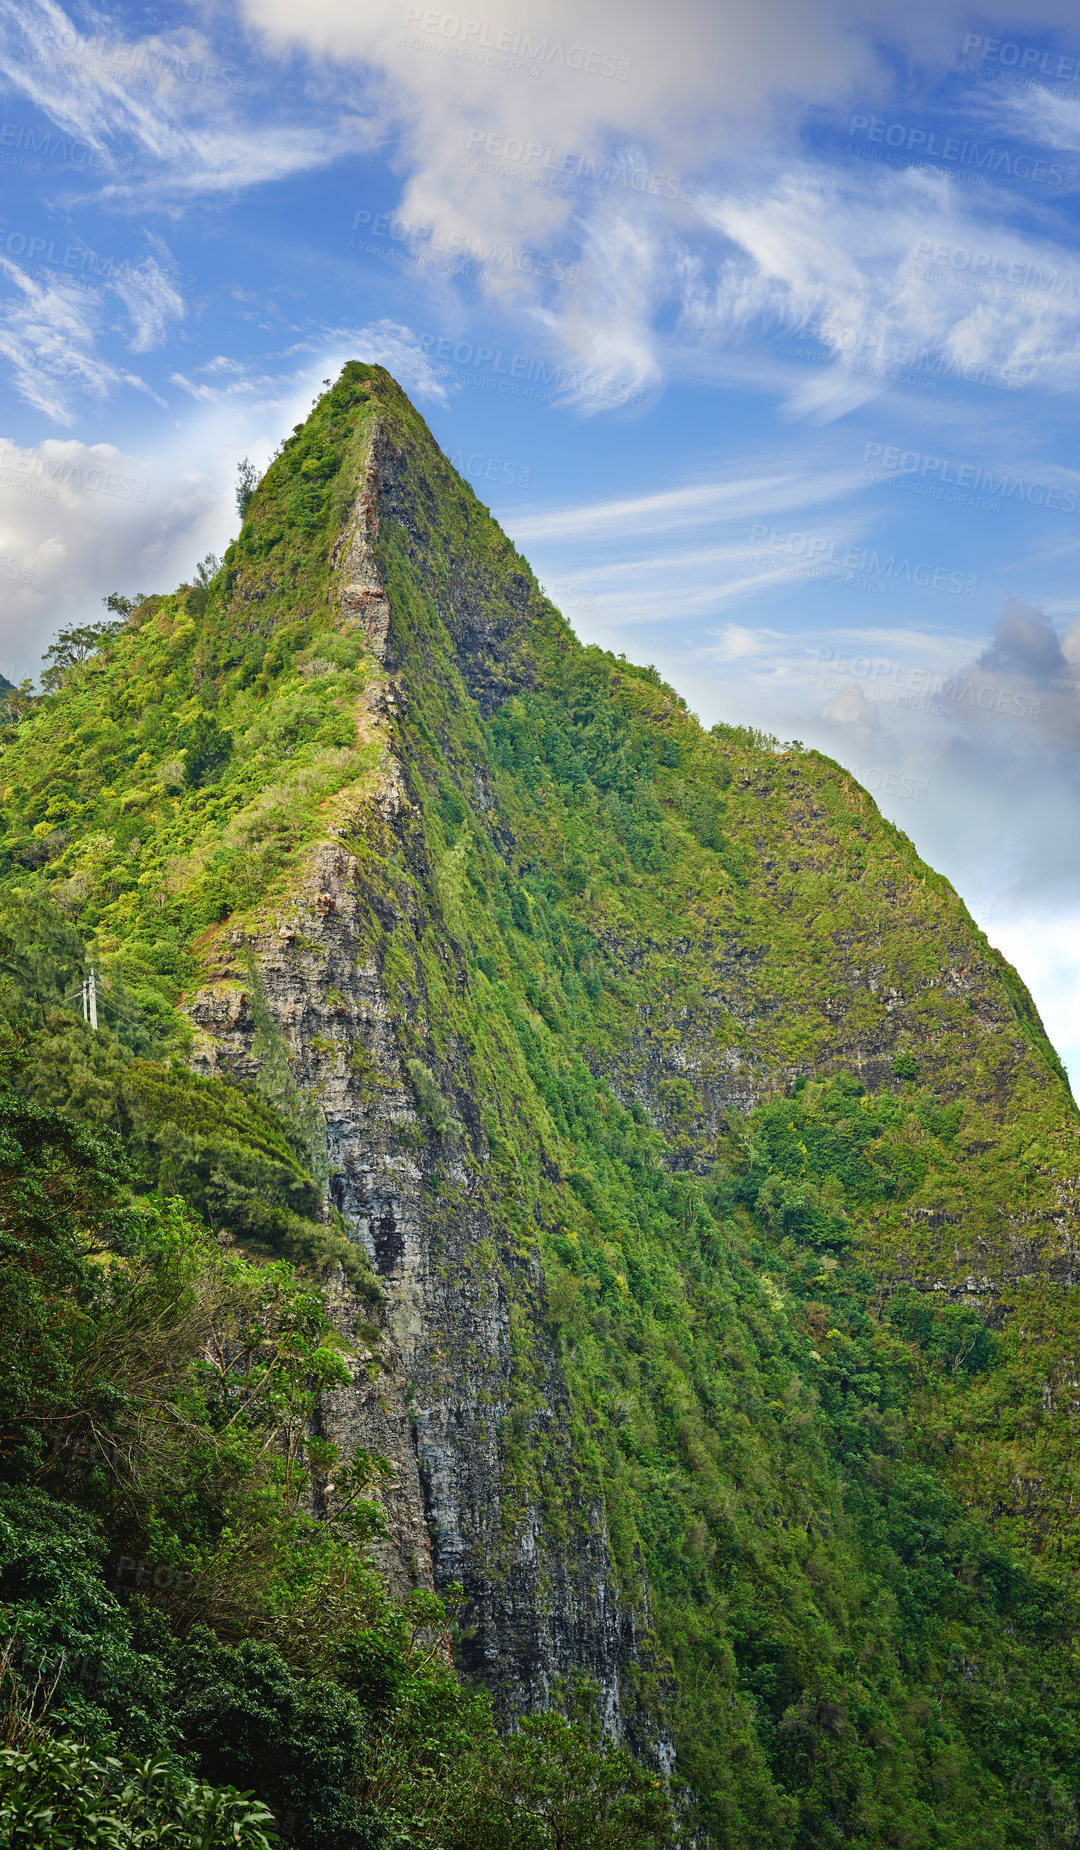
{"x": 179, "y": 771}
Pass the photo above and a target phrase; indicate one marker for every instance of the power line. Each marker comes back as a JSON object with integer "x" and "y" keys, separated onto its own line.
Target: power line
{"x": 90, "y": 984}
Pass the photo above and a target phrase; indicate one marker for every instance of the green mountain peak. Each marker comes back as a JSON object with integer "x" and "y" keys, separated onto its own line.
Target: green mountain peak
{"x": 695, "y": 1184}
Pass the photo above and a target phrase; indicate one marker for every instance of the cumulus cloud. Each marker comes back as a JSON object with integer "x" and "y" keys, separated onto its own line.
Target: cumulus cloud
{"x": 82, "y": 520}
{"x": 1026, "y": 644}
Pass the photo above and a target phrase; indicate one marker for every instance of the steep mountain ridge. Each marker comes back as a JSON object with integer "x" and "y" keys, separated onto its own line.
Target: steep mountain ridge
{"x": 557, "y": 1611}
{"x": 664, "y": 1089}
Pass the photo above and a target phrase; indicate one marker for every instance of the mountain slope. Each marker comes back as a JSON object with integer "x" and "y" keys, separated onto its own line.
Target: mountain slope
{"x": 718, "y": 1177}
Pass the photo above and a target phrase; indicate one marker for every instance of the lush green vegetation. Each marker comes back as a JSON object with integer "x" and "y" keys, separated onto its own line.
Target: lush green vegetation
{"x": 847, "y": 1473}
{"x": 176, "y": 1625}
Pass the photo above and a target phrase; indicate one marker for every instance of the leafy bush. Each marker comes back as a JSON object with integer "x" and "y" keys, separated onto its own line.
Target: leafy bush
{"x": 246, "y": 1716}
{"x": 60, "y": 1793}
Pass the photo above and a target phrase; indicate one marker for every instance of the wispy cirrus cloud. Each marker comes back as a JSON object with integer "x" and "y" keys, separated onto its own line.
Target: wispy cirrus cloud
{"x": 739, "y": 497}
{"x": 149, "y": 291}
{"x": 225, "y": 377}
{"x": 1036, "y": 113}
{"x": 51, "y": 327}
{"x": 890, "y": 269}
{"x": 48, "y": 335}
{"x": 190, "y": 117}
{"x": 683, "y": 554}
{"x": 391, "y": 344}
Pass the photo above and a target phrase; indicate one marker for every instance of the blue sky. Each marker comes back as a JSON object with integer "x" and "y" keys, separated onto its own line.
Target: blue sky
{"x": 756, "y": 324}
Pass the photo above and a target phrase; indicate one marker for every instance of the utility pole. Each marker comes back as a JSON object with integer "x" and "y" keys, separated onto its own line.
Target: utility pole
{"x": 92, "y": 998}
{"x": 85, "y": 1000}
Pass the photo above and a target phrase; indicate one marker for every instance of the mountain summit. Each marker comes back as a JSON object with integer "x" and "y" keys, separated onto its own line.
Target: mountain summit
{"x": 696, "y": 1187}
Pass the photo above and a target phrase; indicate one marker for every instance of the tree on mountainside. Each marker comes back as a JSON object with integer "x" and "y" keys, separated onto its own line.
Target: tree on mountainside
{"x": 247, "y": 480}
{"x": 206, "y": 746}
{"x": 71, "y": 647}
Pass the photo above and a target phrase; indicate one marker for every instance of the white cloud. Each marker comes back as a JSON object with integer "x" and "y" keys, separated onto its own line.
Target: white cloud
{"x": 745, "y": 496}
{"x": 855, "y": 716}
{"x": 236, "y": 381}
{"x": 47, "y": 334}
{"x": 736, "y": 643}
{"x": 681, "y": 89}
{"x": 388, "y": 343}
{"x": 1042, "y": 945}
{"x": 176, "y": 104}
{"x": 49, "y": 331}
{"x": 483, "y": 100}
{"x": 86, "y": 519}
{"x": 150, "y": 294}
{"x": 890, "y": 269}
{"x": 684, "y": 553}
{"x": 1036, "y": 114}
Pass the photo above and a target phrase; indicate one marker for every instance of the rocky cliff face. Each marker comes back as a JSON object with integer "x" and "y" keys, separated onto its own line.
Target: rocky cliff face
{"x": 433, "y": 1396}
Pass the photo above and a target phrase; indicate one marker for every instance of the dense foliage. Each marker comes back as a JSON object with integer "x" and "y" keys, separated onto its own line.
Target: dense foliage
{"x": 166, "y": 1599}
{"x": 818, "y": 1352}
